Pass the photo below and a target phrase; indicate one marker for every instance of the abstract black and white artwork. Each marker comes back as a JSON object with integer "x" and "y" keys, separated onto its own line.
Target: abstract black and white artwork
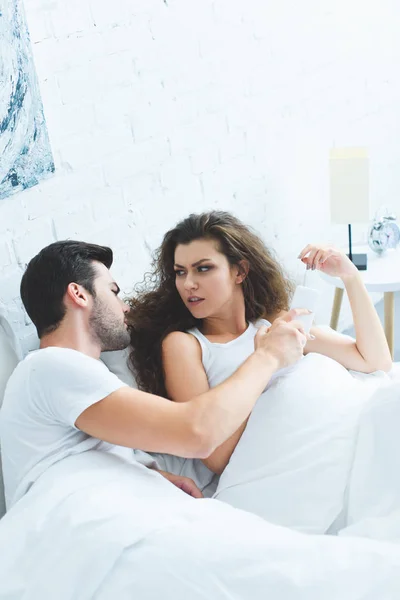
{"x": 25, "y": 153}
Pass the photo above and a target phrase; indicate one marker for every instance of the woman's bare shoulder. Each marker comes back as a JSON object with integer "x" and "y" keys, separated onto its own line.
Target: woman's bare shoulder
{"x": 180, "y": 341}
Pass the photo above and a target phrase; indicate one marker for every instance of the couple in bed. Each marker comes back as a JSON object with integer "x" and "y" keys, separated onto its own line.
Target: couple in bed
{"x": 210, "y": 331}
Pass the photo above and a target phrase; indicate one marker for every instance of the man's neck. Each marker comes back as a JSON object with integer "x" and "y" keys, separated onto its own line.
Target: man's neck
{"x": 70, "y": 337}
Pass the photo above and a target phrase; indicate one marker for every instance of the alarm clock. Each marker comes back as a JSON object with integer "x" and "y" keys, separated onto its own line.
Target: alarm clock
{"x": 383, "y": 234}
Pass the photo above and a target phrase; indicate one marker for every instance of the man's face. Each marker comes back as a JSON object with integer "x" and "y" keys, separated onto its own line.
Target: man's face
{"x": 107, "y": 320}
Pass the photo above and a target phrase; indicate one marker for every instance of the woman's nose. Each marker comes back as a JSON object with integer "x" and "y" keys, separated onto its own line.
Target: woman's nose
{"x": 190, "y": 283}
{"x": 125, "y": 307}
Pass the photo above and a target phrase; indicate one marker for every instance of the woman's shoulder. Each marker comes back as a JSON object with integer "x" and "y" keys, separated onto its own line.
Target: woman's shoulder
{"x": 179, "y": 341}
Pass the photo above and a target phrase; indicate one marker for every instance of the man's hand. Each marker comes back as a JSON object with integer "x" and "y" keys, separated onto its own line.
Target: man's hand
{"x": 183, "y": 483}
{"x": 284, "y": 341}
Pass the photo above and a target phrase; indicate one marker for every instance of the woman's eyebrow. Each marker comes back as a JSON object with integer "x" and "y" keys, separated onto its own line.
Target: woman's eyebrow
{"x": 195, "y": 264}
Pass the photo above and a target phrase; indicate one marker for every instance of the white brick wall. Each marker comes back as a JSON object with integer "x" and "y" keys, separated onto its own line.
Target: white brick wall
{"x": 158, "y": 108}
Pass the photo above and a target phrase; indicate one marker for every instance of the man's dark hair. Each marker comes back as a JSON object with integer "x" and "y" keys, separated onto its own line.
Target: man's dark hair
{"x": 48, "y": 275}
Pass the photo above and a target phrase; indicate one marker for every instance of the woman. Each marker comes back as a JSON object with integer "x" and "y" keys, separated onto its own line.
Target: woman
{"x": 213, "y": 283}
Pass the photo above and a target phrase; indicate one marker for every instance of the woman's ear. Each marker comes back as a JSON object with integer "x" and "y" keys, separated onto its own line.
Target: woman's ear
{"x": 243, "y": 270}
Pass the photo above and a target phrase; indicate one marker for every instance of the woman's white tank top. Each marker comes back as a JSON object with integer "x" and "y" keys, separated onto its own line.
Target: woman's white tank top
{"x": 220, "y": 361}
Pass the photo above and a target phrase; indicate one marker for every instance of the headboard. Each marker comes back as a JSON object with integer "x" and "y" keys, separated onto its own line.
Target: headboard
{"x": 9, "y": 358}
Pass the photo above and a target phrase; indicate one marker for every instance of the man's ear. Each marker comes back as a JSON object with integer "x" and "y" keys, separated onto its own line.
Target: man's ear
{"x": 77, "y": 294}
{"x": 243, "y": 270}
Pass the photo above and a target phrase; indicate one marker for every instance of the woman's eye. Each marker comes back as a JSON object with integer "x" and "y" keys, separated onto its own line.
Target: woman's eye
{"x": 179, "y": 273}
{"x": 204, "y": 269}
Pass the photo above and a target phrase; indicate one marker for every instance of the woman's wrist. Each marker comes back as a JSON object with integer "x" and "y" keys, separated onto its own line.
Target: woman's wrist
{"x": 351, "y": 277}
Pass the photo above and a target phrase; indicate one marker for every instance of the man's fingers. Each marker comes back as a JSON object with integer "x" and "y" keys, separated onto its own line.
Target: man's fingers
{"x": 290, "y": 319}
{"x": 303, "y": 337}
{"x": 262, "y": 331}
{"x": 300, "y": 329}
{"x": 299, "y": 326}
{"x": 191, "y": 489}
{"x": 294, "y": 313}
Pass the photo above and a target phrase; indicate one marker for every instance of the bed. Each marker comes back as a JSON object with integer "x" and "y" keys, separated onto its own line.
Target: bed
{"x": 96, "y": 527}
{"x": 10, "y": 354}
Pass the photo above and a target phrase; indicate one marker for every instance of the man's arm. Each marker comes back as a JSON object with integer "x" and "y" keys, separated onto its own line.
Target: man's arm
{"x": 195, "y": 428}
{"x": 185, "y": 378}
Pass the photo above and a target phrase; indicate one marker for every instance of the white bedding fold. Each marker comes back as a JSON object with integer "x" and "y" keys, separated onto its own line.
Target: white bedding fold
{"x": 96, "y": 527}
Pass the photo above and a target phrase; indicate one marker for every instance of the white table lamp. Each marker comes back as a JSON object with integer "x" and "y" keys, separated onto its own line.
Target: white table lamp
{"x": 349, "y": 192}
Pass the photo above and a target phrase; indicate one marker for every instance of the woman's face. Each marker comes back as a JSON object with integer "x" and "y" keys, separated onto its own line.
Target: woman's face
{"x": 205, "y": 280}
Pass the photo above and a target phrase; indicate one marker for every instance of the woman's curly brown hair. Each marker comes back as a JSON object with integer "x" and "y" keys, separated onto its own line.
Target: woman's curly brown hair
{"x": 157, "y": 309}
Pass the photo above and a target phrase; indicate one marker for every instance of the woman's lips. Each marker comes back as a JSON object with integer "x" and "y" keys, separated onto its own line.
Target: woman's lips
{"x": 195, "y": 301}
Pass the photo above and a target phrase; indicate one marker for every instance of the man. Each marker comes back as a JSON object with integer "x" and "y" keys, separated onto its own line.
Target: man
{"x": 61, "y": 400}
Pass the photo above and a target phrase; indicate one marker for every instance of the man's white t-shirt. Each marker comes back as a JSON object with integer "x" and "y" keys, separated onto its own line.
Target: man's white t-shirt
{"x": 44, "y": 397}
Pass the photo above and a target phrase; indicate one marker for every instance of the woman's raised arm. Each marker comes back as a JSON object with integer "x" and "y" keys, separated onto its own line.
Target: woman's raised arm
{"x": 369, "y": 351}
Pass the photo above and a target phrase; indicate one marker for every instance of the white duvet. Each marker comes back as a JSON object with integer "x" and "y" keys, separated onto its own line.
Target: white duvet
{"x": 96, "y": 527}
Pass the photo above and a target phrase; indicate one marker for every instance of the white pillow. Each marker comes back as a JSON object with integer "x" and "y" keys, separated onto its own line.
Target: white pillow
{"x": 117, "y": 363}
{"x": 292, "y": 463}
{"x": 9, "y": 358}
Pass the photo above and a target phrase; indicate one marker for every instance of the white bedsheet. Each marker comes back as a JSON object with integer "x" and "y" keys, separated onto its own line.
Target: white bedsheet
{"x": 96, "y": 527}
{"x": 373, "y": 495}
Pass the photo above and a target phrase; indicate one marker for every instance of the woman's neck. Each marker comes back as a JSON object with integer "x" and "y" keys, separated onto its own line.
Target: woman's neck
{"x": 231, "y": 322}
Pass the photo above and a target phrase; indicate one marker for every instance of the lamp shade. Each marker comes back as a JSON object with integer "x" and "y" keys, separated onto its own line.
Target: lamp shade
{"x": 349, "y": 185}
